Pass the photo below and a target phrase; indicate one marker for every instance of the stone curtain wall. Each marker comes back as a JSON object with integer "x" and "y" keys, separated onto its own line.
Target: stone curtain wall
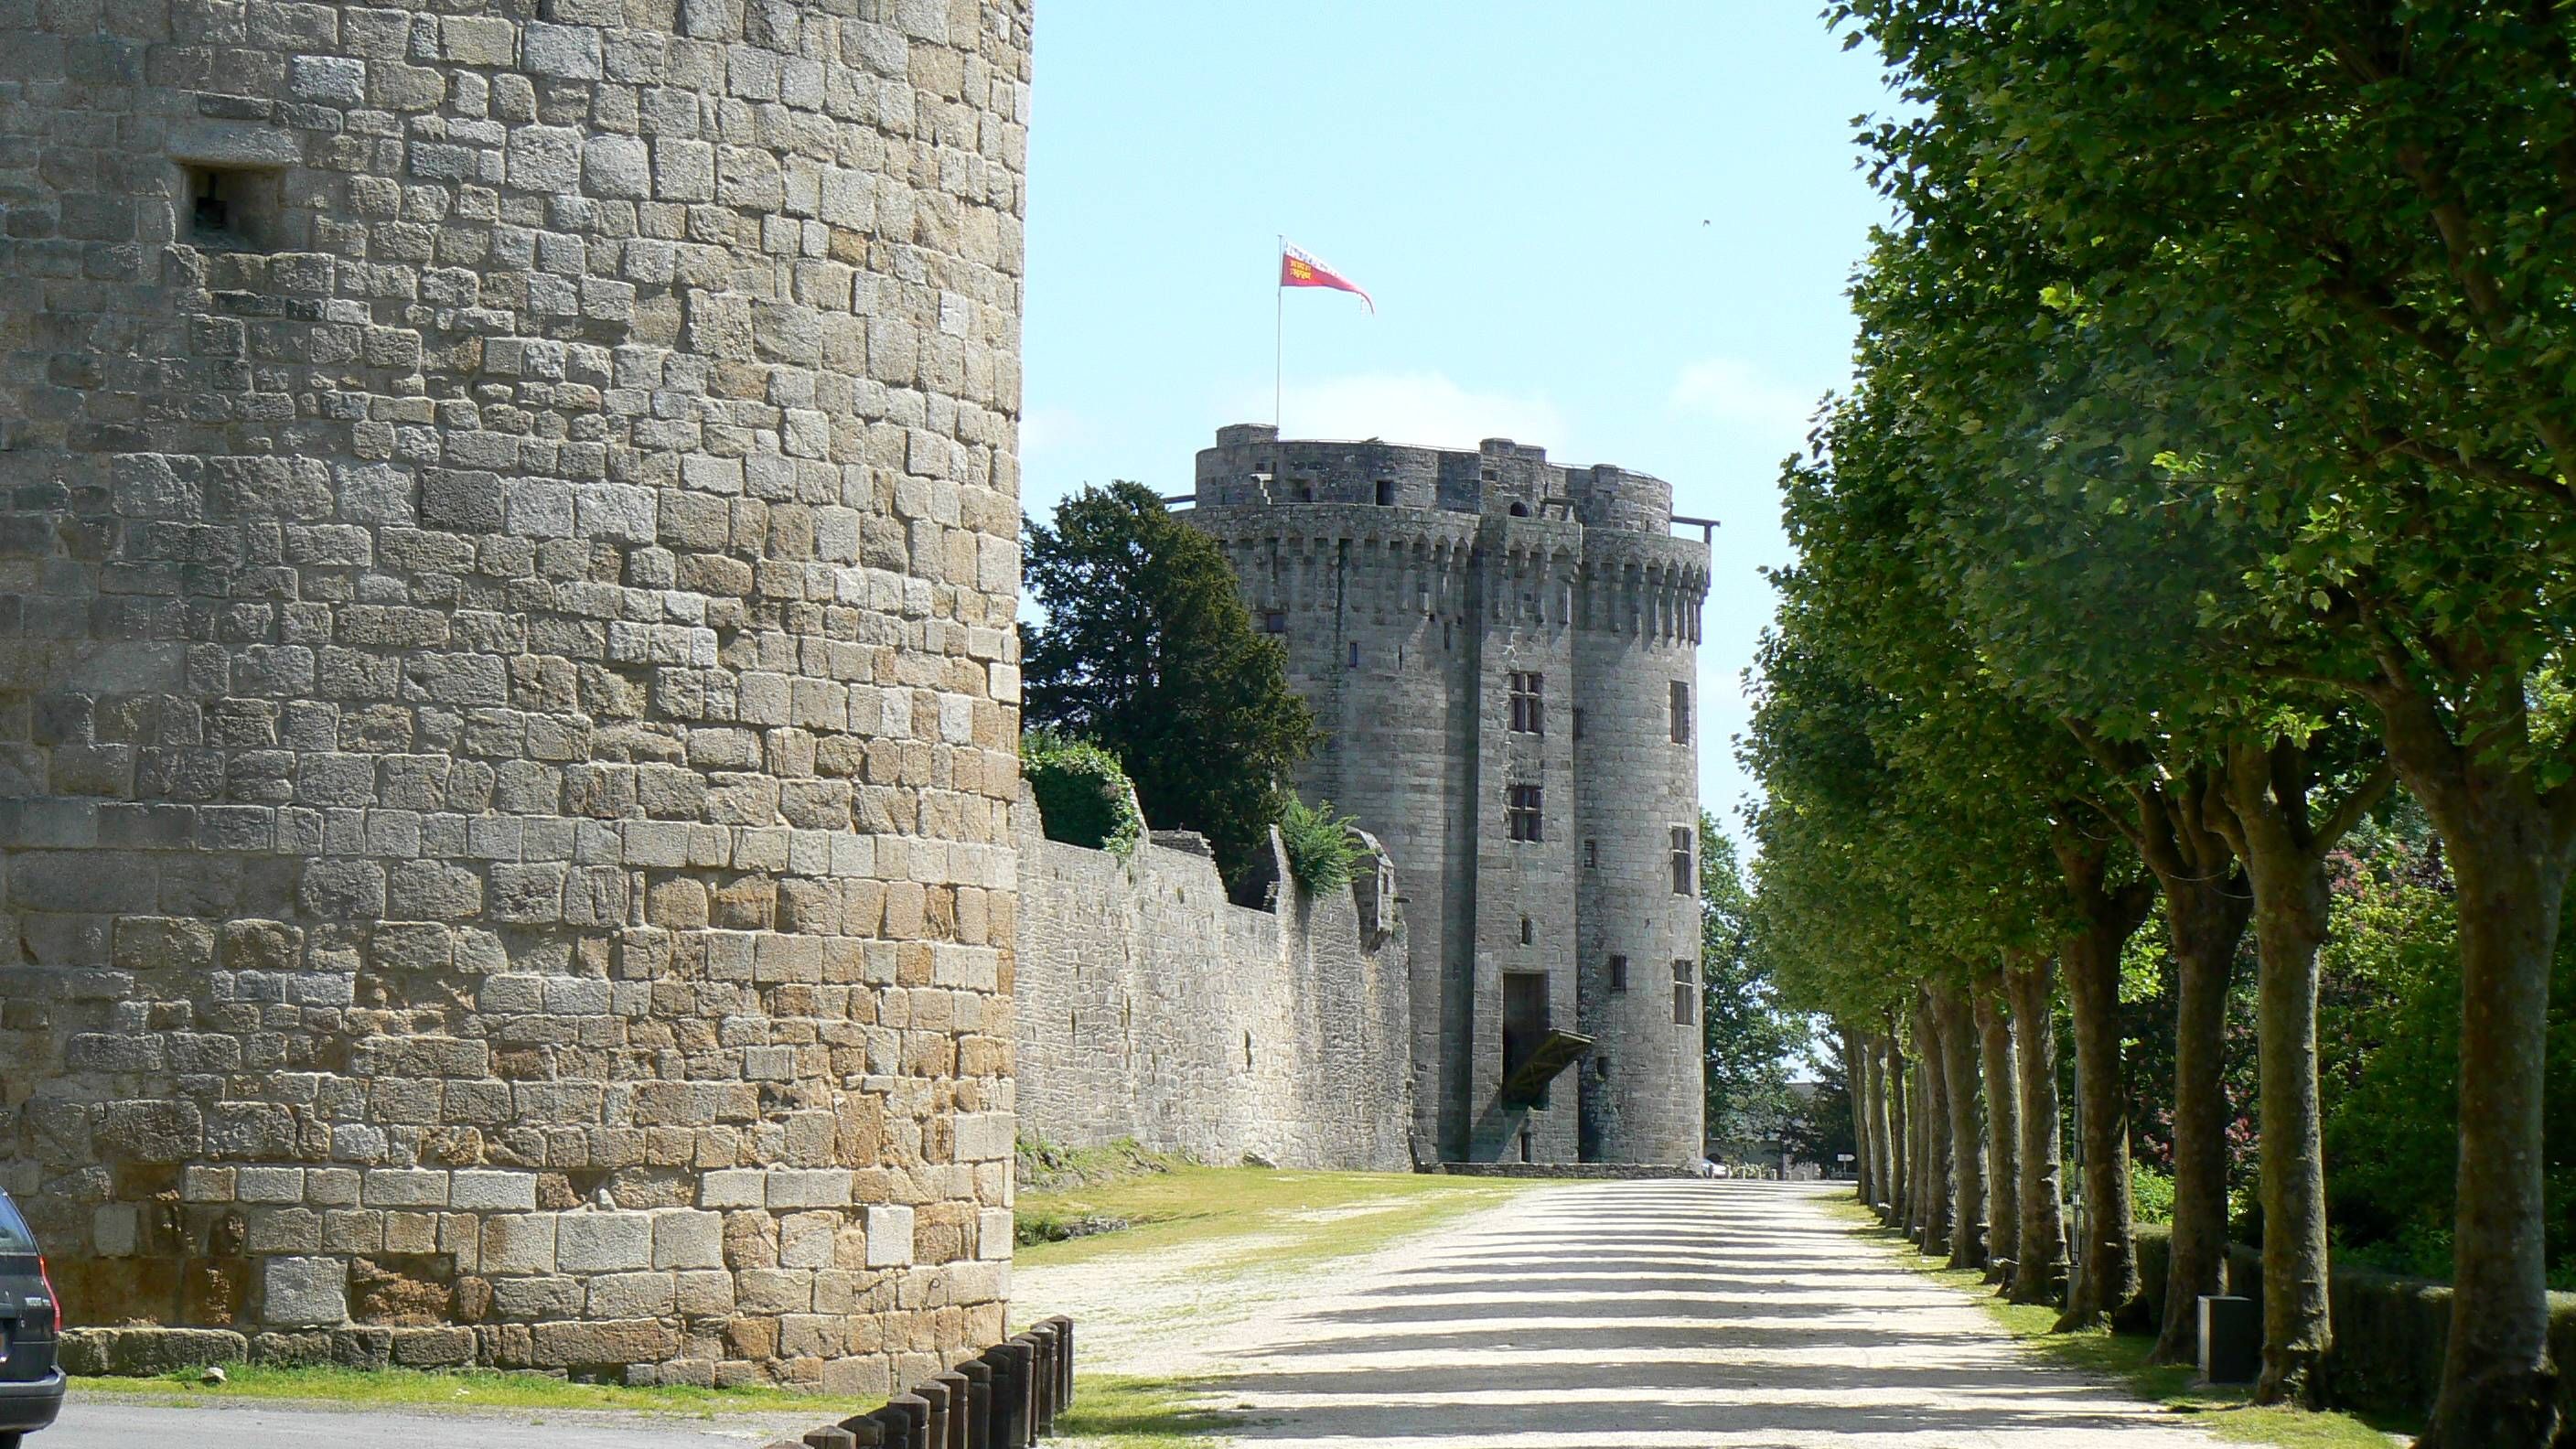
{"x": 507, "y": 705}
{"x": 1148, "y": 1007}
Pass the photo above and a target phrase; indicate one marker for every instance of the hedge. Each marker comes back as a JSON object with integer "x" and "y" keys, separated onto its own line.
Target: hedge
{"x": 2389, "y": 1330}
{"x": 1084, "y": 798}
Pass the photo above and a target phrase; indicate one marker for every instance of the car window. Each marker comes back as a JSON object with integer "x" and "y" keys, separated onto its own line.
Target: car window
{"x": 14, "y": 1236}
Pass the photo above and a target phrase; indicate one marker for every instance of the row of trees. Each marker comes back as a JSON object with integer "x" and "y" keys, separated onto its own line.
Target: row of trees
{"x": 2206, "y": 476}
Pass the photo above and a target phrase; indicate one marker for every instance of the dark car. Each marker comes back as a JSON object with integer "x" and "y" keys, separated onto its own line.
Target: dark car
{"x": 31, "y": 1386}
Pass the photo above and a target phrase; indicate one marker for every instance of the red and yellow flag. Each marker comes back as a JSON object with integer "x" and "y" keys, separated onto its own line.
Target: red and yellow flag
{"x": 1298, "y": 268}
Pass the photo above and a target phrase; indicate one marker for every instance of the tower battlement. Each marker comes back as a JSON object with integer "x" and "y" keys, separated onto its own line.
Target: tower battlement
{"x": 1503, "y": 653}
{"x": 1251, "y": 465}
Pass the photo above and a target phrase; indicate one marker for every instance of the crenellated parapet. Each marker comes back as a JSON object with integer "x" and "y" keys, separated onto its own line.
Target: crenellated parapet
{"x": 1645, "y": 585}
{"x": 1251, "y": 466}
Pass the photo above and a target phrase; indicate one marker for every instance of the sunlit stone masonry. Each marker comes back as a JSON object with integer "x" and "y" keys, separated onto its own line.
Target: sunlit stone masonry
{"x": 507, "y": 704}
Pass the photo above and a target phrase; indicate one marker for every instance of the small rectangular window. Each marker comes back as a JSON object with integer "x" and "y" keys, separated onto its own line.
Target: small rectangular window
{"x": 1521, "y": 815}
{"x": 1274, "y": 621}
{"x": 229, "y": 208}
{"x": 1528, "y": 704}
{"x": 1685, "y": 879}
{"x": 1578, "y": 724}
{"x": 1355, "y": 654}
{"x": 1618, "y": 973}
{"x": 1681, "y": 713}
{"x": 1386, "y": 493}
{"x": 1685, "y": 994}
{"x": 1592, "y": 855}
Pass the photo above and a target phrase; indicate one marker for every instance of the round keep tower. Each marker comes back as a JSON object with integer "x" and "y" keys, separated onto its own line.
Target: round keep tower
{"x": 507, "y": 704}
{"x": 1636, "y": 775}
{"x": 1433, "y": 606}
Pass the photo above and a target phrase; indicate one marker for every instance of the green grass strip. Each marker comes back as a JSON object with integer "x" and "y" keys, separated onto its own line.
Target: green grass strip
{"x": 1128, "y": 1411}
{"x": 1283, "y": 1218}
{"x": 2226, "y": 1410}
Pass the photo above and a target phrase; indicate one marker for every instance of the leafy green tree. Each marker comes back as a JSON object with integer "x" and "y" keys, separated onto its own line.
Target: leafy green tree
{"x": 1148, "y": 651}
{"x": 1822, "y": 1126}
{"x": 1746, "y": 1037}
{"x": 2322, "y": 251}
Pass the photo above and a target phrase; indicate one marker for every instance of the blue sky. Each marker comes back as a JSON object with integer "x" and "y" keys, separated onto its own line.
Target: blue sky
{"x": 1618, "y": 230}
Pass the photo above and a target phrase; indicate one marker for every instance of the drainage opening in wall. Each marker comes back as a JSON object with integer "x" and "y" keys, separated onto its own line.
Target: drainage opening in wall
{"x": 1247, "y": 1051}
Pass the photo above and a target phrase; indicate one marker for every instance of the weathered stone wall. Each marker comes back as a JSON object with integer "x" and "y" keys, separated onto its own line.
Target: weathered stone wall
{"x": 1148, "y": 1007}
{"x": 507, "y": 709}
{"x": 1411, "y": 586}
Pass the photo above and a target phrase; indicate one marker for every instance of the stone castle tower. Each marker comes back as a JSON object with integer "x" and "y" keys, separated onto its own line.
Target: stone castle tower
{"x": 1502, "y": 652}
{"x": 507, "y": 703}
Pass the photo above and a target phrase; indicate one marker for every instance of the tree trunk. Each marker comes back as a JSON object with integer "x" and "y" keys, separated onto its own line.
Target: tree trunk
{"x": 2106, "y": 1271}
{"x": 2291, "y": 909}
{"x": 1958, "y": 1026}
{"x": 2003, "y": 1129}
{"x": 2206, "y": 917}
{"x": 2284, "y": 848}
{"x": 2499, "y": 1388}
{"x": 2039, "y": 1265}
{"x": 2508, "y": 842}
{"x": 1856, "y": 1083}
{"x": 1930, "y": 1045}
{"x": 1891, "y": 1094}
{"x": 1911, "y": 1223}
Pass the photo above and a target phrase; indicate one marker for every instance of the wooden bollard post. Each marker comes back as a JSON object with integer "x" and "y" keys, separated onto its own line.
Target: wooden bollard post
{"x": 866, "y": 1432}
{"x": 1009, "y": 1426}
{"x": 1043, "y": 1335}
{"x": 960, "y": 1407}
{"x": 1063, "y": 1362}
{"x": 830, "y": 1436}
{"x": 979, "y": 1403}
{"x": 934, "y": 1427}
{"x": 913, "y": 1413}
{"x": 1024, "y": 1390}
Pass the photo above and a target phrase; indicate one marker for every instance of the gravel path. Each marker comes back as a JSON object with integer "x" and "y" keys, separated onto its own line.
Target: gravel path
{"x": 1637, "y": 1315}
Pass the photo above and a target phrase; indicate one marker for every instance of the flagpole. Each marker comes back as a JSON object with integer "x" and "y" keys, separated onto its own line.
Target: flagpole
{"x": 1278, "y": 334}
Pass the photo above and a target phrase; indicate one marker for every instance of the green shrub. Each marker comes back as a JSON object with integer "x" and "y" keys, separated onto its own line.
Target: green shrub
{"x": 2151, "y": 1194}
{"x": 1320, "y": 850}
{"x": 1083, "y": 795}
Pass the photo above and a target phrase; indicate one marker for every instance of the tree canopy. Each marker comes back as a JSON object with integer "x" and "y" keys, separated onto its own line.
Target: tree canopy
{"x": 1147, "y": 651}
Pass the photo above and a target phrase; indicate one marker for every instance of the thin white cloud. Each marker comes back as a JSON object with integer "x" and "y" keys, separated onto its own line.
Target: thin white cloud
{"x": 1053, "y": 429}
{"x": 1735, "y": 393}
{"x": 1410, "y": 407}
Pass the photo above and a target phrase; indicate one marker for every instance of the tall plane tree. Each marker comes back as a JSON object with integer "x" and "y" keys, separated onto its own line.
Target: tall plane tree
{"x": 2339, "y": 234}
